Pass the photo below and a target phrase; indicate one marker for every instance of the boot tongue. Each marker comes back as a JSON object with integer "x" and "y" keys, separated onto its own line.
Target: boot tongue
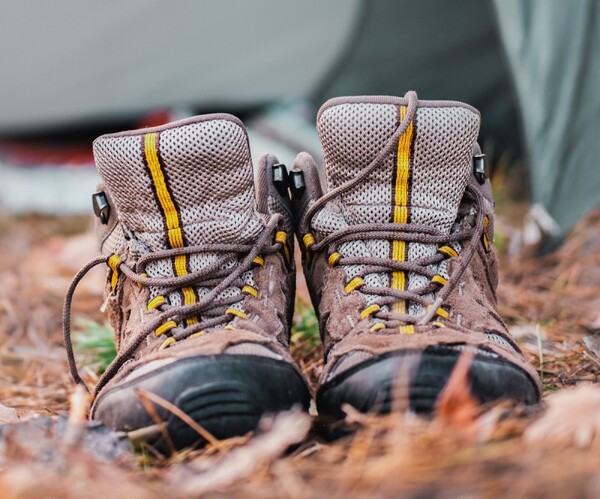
{"x": 183, "y": 184}
{"x": 421, "y": 181}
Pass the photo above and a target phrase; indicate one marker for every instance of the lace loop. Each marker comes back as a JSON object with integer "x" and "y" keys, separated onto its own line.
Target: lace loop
{"x": 67, "y": 316}
{"x": 391, "y": 144}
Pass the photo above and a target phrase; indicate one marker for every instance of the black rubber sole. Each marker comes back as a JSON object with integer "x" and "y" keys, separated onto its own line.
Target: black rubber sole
{"x": 225, "y": 394}
{"x": 414, "y": 379}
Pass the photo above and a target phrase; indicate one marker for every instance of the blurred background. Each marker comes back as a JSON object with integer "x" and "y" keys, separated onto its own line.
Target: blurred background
{"x": 72, "y": 70}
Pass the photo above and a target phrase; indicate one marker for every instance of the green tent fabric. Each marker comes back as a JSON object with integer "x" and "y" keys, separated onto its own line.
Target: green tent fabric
{"x": 441, "y": 49}
{"x": 531, "y": 66}
{"x": 66, "y": 62}
{"x": 554, "y": 51}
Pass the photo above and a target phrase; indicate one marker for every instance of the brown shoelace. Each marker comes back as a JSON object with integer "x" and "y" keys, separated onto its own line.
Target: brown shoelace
{"x": 209, "y": 308}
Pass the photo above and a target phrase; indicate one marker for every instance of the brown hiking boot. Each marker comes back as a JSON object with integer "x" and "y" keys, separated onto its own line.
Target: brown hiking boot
{"x": 200, "y": 285}
{"x": 399, "y": 256}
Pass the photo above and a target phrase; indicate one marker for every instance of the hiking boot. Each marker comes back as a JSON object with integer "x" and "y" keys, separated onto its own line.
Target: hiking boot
{"x": 200, "y": 283}
{"x": 400, "y": 260}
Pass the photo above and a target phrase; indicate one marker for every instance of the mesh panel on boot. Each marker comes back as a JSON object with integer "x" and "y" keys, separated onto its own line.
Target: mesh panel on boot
{"x": 352, "y": 134}
{"x": 348, "y": 147}
{"x": 208, "y": 175}
{"x": 115, "y": 241}
{"x": 441, "y": 168}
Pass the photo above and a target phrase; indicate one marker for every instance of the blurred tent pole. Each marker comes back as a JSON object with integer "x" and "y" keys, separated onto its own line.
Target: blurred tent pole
{"x": 553, "y": 47}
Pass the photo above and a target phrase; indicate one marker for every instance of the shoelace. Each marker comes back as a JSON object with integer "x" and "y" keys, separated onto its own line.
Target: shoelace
{"x": 208, "y": 308}
{"x": 402, "y": 232}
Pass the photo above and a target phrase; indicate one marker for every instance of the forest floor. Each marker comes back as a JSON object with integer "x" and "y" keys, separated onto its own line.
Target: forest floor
{"x": 551, "y": 303}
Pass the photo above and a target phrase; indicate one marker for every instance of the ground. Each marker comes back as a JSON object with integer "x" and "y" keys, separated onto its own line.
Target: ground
{"x": 551, "y": 304}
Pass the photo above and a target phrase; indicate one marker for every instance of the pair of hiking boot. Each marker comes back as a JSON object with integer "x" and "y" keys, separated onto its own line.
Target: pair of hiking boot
{"x": 397, "y": 251}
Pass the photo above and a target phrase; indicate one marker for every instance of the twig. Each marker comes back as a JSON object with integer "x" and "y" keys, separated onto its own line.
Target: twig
{"x": 181, "y": 415}
{"x": 77, "y": 423}
{"x": 146, "y": 399}
{"x": 540, "y": 350}
{"x": 593, "y": 358}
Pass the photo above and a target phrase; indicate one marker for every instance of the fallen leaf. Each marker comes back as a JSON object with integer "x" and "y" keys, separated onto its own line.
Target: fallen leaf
{"x": 592, "y": 342}
{"x": 572, "y": 418}
{"x": 456, "y": 405}
{"x": 8, "y": 415}
{"x": 286, "y": 429}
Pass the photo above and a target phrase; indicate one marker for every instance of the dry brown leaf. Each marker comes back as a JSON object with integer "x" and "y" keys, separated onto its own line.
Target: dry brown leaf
{"x": 8, "y": 415}
{"x": 80, "y": 400}
{"x": 456, "y": 406}
{"x": 594, "y": 324}
{"x": 572, "y": 418}
{"x": 286, "y": 429}
{"x": 592, "y": 342}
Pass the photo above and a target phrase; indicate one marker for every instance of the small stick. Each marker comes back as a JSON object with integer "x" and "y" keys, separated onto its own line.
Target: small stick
{"x": 181, "y": 415}
{"x": 540, "y": 350}
{"x": 146, "y": 401}
{"x": 80, "y": 403}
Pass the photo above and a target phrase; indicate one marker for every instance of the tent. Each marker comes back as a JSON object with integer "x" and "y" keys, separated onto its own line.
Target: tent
{"x": 530, "y": 66}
